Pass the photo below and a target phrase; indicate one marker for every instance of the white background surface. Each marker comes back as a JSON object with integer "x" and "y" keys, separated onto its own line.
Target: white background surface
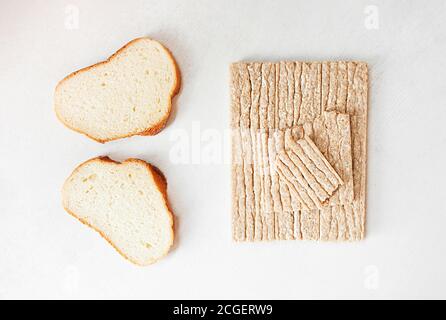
{"x": 45, "y": 253}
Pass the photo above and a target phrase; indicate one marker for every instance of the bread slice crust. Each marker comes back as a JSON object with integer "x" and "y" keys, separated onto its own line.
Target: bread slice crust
{"x": 150, "y": 131}
{"x": 161, "y": 184}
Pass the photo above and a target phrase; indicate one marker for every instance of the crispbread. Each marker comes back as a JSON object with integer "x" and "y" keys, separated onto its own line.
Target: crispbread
{"x": 331, "y": 134}
{"x": 126, "y": 203}
{"x": 329, "y": 100}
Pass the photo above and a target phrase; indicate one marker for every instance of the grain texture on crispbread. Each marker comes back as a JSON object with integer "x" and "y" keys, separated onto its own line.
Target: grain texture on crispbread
{"x": 331, "y": 134}
{"x": 329, "y": 100}
{"x": 307, "y": 172}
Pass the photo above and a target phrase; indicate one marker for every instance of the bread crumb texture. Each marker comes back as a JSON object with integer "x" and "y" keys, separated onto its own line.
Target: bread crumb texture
{"x": 128, "y": 94}
{"x": 274, "y": 105}
{"x": 126, "y": 203}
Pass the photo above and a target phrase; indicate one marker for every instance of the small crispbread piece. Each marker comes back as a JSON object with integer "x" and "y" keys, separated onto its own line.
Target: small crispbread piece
{"x": 307, "y": 172}
{"x": 331, "y": 134}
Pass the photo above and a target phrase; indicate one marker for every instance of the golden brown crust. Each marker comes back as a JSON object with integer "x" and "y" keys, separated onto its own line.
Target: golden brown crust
{"x": 154, "y": 129}
{"x": 160, "y": 182}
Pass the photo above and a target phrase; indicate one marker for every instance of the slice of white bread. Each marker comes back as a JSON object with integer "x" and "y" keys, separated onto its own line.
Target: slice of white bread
{"x": 126, "y": 203}
{"x": 128, "y": 94}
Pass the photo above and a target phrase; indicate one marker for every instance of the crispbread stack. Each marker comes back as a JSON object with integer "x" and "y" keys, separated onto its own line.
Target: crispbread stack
{"x": 328, "y": 100}
{"x": 307, "y": 173}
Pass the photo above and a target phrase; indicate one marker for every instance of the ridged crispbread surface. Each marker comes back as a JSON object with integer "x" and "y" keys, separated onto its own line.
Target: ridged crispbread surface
{"x": 128, "y": 94}
{"x": 330, "y": 101}
{"x": 126, "y": 203}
